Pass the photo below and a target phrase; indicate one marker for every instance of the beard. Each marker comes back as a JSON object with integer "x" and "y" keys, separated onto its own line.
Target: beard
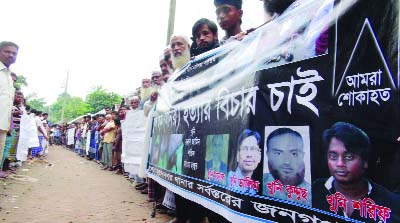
{"x": 288, "y": 180}
{"x": 197, "y": 50}
{"x": 180, "y": 61}
{"x": 145, "y": 93}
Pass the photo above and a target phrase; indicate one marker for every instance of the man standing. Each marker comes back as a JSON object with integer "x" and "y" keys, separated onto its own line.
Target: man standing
{"x": 229, "y": 17}
{"x": 8, "y": 55}
{"x": 166, "y": 70}
{"x": 92, "y": 143}
{"x": 47, "y": 130}
{"x": 157, "y": 79}
{"x": 109, "y": 137}
{"x": 135, "y": 102}
{"x": 145, "y": 91}
{"x": 84, "y": 131}
{"x": 41, "y": 133}
{"x": 204, "y": 36}
{"x": 107, "y": 110}
{"x": 185, "y": 209}
{"x": 99, "y": 139}
{"x": 180, "y": 51}
{"x": 285, "y": 152}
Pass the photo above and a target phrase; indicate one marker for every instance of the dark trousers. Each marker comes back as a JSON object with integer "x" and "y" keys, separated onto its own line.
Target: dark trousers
{"x": 186, "y": 209}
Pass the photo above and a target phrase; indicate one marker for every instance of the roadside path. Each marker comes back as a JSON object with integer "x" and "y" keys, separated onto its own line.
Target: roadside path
{"x": 66, "y": 188}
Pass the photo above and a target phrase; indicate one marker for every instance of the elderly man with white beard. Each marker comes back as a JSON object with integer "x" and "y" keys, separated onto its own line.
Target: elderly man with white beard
{"x": 145, "y": 90}
{"x": 185, "y": 209}
{"x": 180, "y": 51}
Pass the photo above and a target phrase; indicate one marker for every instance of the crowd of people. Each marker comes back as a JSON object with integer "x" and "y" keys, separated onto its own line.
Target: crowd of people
{"x": 103, "y": 137}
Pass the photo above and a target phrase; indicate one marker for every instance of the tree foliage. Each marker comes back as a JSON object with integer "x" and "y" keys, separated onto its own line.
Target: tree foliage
{"x": 74, "y": 107}
{"x": 96, "y": 100}
{"x": 100, "y": 98}
{"x": 36, "y": 102}
{"x": 21, "y": 81}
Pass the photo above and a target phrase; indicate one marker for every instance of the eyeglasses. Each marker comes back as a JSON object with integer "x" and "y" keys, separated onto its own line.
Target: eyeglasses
{"x": 251, "y": 149}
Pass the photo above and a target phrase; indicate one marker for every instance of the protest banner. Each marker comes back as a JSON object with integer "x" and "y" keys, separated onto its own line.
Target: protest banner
{"x": 281, "y": 126}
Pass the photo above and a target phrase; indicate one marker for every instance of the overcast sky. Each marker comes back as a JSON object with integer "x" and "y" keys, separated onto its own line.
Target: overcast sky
{"x": 101, "y": 42}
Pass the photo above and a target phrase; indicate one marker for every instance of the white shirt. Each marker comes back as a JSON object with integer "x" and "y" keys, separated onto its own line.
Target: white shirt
{"x": 6, "y": 97}
{"x": 39, "y": 124}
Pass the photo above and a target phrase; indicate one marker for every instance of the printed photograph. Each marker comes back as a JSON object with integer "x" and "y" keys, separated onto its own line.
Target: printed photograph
{"x": 248, "y": 157}
{"x": 348, "y": 150}
{"x": 216, "y": 167}
{"x": 175, "y": 152}
{"x": 286, "y": 173}
{"x": 159, "y": 151}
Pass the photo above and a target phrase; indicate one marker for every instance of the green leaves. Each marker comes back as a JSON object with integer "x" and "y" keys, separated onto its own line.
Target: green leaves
{"x": 100, "y": 98}
{"x": 74, "y": 107}
{"x": 21, "y": 81}
{"x": 96, "y": 100}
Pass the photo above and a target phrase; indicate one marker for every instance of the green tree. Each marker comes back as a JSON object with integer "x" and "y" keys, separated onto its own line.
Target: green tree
{"x": 36, "y": 102}
{"x": 100, "y": 98}
{"x": 21, "y": 81}
{"x": 74, "y": 107}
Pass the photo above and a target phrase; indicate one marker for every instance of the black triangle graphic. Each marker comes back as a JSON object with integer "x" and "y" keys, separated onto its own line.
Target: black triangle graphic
{"x": 365, "y": 42}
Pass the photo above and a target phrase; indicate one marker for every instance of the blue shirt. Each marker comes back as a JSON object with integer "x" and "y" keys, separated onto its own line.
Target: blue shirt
{"x": 235, "y": 185}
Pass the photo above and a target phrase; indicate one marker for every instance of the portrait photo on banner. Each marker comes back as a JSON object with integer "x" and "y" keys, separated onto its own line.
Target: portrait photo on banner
{"x": 160, "y": 150}
{"x": 286, "y": 170}
{"x": 155, "y": 149}
{"x": 241, "y": 176}
{"x": 216, "y": 168}
{"x": 175, "y": 152}
{"x": 347, "y": 153}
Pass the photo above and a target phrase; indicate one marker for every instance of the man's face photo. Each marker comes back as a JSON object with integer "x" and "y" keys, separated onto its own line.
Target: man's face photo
{"x": 249, "y": 154}
{"x": 216, "y": 157}
{"x": 217, "y": 147}
{"x": 156, "y": 148}
{"x": 175, "y": 148}
{"x": 286, "y": 158}
{"x": 346, "y": 167}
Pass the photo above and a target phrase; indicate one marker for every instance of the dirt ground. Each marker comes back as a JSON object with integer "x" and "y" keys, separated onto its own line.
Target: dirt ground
{"x": 66, "y": 188}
